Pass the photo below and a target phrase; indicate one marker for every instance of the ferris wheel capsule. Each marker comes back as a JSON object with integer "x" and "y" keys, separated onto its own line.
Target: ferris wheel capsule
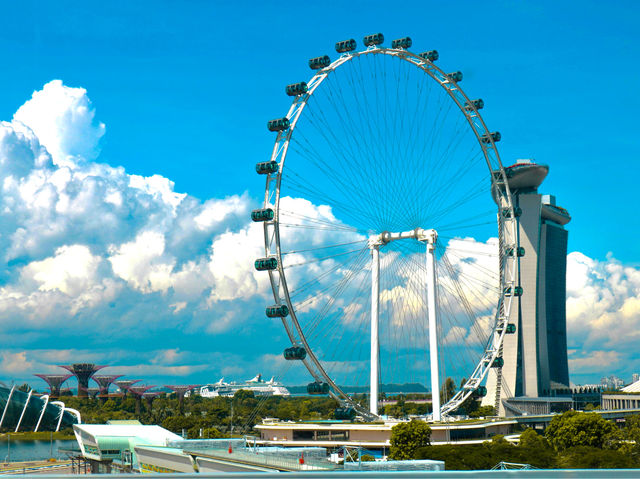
{"x": 318, "y": 63}
{"x": 372, "y": 40}
{"x": 266, "y": 167}
{"x": 296, "y": 89}
{"x": 431, "y": 55}
{"x": 263, "y": 214}
{"x": 515, "y": 251}
{"x": 494, "y": 135}
{"x": 318, "y": 388}
{"x": 345, "y": 413}
{"x": 346, "y": 46}
{"x": 279, "y": 124}
{"x": 403, "y": 43}
{"x": 266, "y": 264}
{"x": 517, "y": 291}
{"x": 455, "y": 76}
{"x": 477, "y": 104}
{"x": 277, "y": 311}
{"x": 517, "y": 212}
{"x": 295, "y": 353}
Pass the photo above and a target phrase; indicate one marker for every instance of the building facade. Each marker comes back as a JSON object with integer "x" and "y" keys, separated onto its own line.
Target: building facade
{"x": 26, "y": 411}
{"x": 535, "y": 357}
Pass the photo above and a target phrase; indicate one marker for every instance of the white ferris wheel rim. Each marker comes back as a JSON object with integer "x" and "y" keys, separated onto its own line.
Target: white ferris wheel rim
{"x": 509, "y": 268}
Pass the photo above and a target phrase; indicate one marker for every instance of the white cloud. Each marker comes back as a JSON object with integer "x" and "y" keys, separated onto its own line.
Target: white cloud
{"x": 141, "y": 264}
{"x": 15, "y": 363}
{"x": 594, "y": 362}
{"x": 603, "y": 308}
{"x": 84, "y": 238}
{"x": 89, "y": 248}
{"x": 71, "y": 270}
{"x": 63, "y": 120}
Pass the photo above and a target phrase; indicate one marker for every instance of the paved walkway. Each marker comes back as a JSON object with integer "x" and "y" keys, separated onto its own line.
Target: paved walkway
{"x": 36, "y": 467}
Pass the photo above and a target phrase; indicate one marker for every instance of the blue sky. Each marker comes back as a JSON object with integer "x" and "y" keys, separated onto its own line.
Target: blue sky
{"x": 184, "y": 90}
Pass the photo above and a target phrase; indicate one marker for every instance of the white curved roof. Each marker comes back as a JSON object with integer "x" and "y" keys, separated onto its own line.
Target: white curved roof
{"x": 632, "y": 388}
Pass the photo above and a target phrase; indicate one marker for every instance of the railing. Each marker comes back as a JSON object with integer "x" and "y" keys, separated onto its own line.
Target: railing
{"x": 272, "y": 461}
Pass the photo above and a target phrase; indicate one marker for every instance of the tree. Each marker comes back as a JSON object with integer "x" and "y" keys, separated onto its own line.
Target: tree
{"x": 447, "y": 390}
{"x": 586, "y": 457}
{"x": 483, "y": 411}
{"x": 407, "y": 437}
{"x": 573, "y": 429}
{"x": 535, "y": 450}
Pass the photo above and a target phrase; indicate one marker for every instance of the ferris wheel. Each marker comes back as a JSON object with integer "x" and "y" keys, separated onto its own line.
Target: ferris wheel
{"x": 390, "y": 234}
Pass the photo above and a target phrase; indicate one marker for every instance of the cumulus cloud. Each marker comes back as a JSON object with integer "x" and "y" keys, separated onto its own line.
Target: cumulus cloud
{"x": 602, "y": 302}
{"x": 63, "y": 120}
{"x": 89, "y": 249}
{"x": 593, "y": 362}
{"x": 82, "y": 239}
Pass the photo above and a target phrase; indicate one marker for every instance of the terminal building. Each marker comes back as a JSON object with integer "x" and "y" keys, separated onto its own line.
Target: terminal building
{"x": 535, "y": 358}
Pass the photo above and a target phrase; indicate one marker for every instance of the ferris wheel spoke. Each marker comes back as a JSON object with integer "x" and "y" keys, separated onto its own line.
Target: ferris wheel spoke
{"x": 409, "y": 309}
{"x": 472, "y": 315}
{"x": 339, "y": 186}
{"x": 466, "y": 222}
{"x": 351, "y": 169}
{"x": 342, "y": 184}
{"x": 312, "y": 194}
{"x": 338, "y": 287}
{"x": 382, "y": 142}
{"x": 327, "y": 320}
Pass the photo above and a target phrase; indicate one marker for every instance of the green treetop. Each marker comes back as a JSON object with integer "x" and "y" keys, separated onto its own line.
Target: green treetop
{"x": 407, "y": 437}
{"x": 573, "y": 429}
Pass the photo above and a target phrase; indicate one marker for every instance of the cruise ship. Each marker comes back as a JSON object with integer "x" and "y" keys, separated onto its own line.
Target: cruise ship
{"x": 256, "y": 384}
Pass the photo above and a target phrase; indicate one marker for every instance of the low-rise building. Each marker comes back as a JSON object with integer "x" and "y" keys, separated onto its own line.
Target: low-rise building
{"x": 333, "y": 434}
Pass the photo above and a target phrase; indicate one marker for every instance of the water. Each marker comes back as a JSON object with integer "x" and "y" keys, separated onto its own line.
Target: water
{"x": 33, "y": 450}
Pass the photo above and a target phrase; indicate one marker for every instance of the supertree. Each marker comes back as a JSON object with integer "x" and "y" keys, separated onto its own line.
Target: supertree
{"x": 83, "y": 372}
{"x": 181, "y": 391}
{"x": 54, "y": 381}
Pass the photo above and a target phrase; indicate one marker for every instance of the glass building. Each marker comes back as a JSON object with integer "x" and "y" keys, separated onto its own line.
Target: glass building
{"x": 25, "y": 411}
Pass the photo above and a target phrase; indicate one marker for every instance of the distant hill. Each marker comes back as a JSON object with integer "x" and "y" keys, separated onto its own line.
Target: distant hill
{"x": 384, "y": 388}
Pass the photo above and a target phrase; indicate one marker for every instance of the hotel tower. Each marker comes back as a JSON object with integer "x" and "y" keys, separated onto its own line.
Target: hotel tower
{"x": 535, "y": 356}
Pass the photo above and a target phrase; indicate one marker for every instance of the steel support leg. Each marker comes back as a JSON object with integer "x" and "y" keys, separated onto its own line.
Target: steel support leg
{"x": 433, "y": 333}
{"x": 375, "y": 306}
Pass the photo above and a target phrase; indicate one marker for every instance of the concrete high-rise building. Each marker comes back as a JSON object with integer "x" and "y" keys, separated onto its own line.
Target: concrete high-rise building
{"x": 535, "y": 357}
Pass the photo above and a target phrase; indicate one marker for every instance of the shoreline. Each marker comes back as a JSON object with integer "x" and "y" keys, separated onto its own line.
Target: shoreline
{"x": 36, "y": 436}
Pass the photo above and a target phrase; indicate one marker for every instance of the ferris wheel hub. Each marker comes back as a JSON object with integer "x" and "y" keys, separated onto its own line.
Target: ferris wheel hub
{"x": 429, "y": 236}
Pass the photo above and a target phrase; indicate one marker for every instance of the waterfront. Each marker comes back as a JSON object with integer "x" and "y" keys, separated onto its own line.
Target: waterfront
{"x": 38, "y": 450}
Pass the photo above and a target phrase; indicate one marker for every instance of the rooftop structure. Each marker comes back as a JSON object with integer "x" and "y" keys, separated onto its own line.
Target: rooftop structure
{"x": 535, "y": 350}
{"x": 83, "y": 372}
{"x": 102, "y": 444}
{"x": 54, "y": 381}
{"x": 632, "y": 388}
